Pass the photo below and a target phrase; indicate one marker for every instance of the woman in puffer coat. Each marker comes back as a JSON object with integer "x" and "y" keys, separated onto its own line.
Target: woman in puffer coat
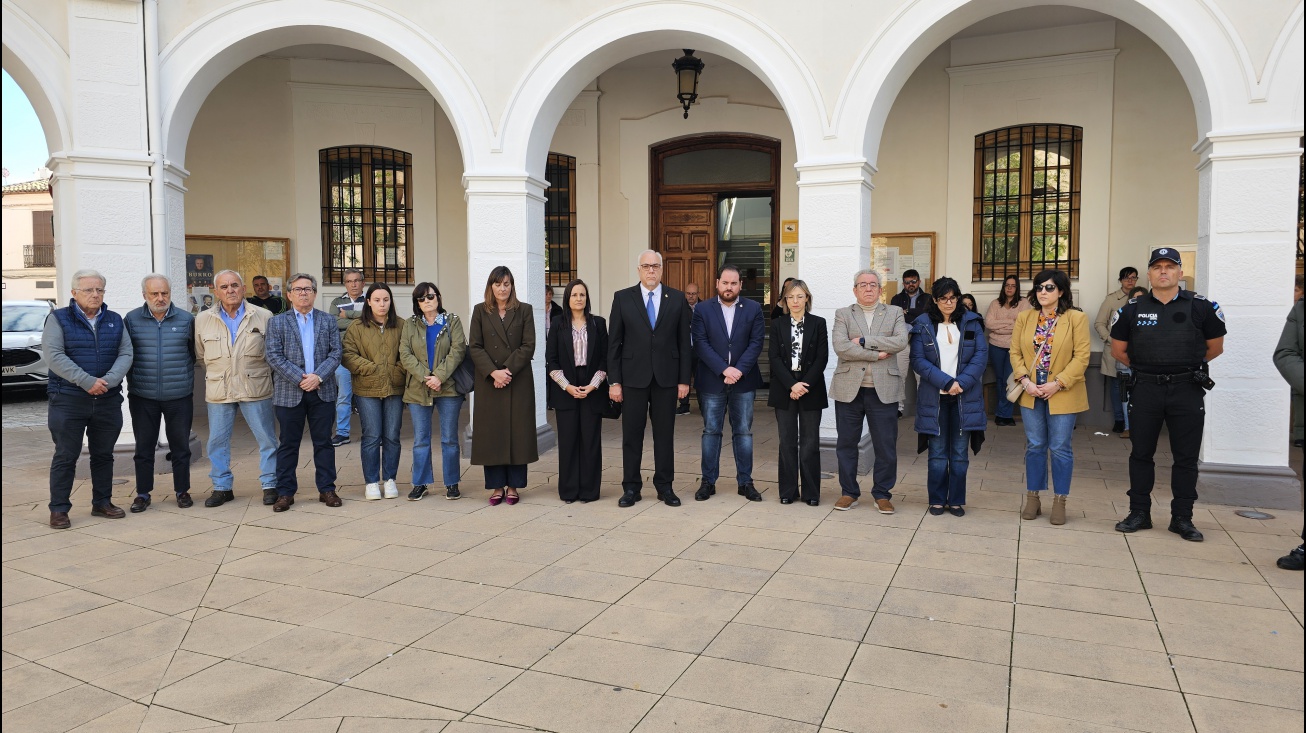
{"x": 370, "y": 352}
{"x": 950, "y": 354}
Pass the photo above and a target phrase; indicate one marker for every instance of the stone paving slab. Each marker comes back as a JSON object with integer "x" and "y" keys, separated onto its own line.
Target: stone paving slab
{"x": 724, "y": 616}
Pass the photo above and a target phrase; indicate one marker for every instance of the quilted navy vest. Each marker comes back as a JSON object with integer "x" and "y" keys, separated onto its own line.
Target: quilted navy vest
{"x": 92, "y": 349}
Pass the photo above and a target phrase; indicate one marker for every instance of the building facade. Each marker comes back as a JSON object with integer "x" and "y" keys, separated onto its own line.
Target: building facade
{"x": 436, "y": 140}
{"x": 28, "y": 217}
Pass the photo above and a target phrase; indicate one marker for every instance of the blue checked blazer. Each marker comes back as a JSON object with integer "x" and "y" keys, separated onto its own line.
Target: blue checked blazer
{"x": 285, "y": 354}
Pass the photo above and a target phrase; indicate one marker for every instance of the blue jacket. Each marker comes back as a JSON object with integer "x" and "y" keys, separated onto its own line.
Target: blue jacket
{"x": 164, "y": 364}
{"x": 285, "y": 355}
{"x": 94, "y": 350}
{"x": 716, "y": 350}
{"x": 972, "y": 359}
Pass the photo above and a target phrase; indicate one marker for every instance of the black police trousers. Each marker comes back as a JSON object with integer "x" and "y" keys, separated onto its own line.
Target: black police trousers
{"x": 1179, "y": 407}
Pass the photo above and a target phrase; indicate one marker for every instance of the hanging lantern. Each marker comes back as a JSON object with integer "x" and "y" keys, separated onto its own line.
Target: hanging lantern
{"x": 687, "y": 67}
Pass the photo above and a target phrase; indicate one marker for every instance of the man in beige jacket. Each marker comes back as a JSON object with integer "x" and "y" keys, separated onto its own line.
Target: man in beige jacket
{"x": 1102, "y": 324}
{"x": 868, "y": 335}
{"x": 229, "y": 343}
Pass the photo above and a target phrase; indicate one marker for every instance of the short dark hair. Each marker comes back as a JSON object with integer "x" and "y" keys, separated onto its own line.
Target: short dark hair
{"x": 420, "y": 291}
{"x": 917, "y": 275}
{"x": 369, "y": 318}
{"x": 1127, "y": 271}
{"x": 1058, "y": 278}
{"x": 726, "y": 268}
{"x": 1136, "y": 291}
{"x": 257, "y": 278}
{"x": 566, "y": 298}
{"x": 942, "y": 287}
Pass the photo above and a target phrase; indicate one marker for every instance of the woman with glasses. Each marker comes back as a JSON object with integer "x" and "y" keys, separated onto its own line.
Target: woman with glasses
{"x": 950, "y": 354}
{"x": 1113, "y": 302}
{"x": 576, "y": 358}
{"x": 999, "y": 319}
{"x": 431, "y": 349}
{"x": 501, "y": 340}
{"x": 371, "y": 354}
{"x": 800, "y": 349}
{"x": 1049, "y": 354}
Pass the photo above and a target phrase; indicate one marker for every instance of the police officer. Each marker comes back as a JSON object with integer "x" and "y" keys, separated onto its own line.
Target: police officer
{"x": 1166, "y": 337}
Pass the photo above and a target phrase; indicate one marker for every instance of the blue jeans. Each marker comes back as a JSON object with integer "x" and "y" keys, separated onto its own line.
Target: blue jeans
{"x": 1000, "y": 360}
{"x": 344, "y": 400}
{"x": 448, "y": 409}
{"x": 1044, "y": 433}
{"x": 1117, "y": 406}
{"x": 949, "y": 461}
{"x": 740, "y": 405}
{"x": 381, "y": 418}
{"x": 258, "y": 416}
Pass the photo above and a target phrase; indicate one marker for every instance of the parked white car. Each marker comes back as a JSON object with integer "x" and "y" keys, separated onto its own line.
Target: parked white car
{"x": 24, "y": 364}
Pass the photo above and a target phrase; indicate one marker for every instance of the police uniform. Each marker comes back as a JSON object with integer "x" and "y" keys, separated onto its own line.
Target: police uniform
{"x": 1167, "y": 351}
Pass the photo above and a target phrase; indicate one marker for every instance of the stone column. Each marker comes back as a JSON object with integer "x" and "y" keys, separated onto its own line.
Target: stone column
{"x": 834, "y": 241}
{"x": 1246, "y": 241}
{"x": 505, "y": 226}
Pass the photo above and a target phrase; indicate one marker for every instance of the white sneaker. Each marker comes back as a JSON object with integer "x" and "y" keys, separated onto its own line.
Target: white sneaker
{"x": 372, "y": 492}
{"x": 391, "y": 491}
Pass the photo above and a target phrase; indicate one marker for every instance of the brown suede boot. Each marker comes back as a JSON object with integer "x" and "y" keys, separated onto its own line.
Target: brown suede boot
{"x": 1032, "y": 506}
{"x": 1058, "y": 510}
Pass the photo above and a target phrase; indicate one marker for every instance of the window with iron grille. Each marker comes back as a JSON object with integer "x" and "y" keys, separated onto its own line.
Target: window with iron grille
{"x": 40, "y": 253}
{"x": 1027, "y": 187}
{"x": 560, "y": 219}
{"x": 367, "y": 214}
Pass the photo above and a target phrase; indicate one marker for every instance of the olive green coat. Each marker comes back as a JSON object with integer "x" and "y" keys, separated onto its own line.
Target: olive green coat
{"x": 450, "y": 347}
{"x": 371, "y": 354}
{"x": 503, "y": 420}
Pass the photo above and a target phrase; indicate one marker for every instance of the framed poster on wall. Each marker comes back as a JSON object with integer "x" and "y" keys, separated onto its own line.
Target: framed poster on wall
{"x": 250, "y": 256}
{"x": 894, "y": 254}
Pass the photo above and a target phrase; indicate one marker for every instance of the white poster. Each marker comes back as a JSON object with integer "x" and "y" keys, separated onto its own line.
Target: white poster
{"x": 886, "y": 264}
{"x": 921, "y": 251}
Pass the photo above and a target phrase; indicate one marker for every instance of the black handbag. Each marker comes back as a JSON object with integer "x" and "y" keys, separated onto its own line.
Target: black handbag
{"x": 612, "y": 410}
{"x": 464, "y": 377}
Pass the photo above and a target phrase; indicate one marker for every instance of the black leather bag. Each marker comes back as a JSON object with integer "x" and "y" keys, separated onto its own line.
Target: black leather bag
{"x": 611, "y": 409}
{"x": 464, "y": 377}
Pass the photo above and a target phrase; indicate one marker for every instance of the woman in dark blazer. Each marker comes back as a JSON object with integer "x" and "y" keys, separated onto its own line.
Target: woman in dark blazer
{"x": 800, "y": 349}
{"x": 501, "y": 341}
{"x": 576, "y": 359}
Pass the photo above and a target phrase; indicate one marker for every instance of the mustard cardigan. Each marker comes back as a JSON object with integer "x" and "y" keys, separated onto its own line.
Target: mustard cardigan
{"x": 1070, "y": 347}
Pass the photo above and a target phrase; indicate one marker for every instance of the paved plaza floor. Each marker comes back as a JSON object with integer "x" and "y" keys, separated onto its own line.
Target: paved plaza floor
{"x": 721, "y": 616}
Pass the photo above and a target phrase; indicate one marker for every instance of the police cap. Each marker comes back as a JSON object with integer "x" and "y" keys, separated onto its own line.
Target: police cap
{"x": 1164, "y": 253}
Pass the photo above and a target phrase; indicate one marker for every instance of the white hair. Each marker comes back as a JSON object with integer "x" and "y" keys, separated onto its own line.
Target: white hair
{"x": 155, "y": 276}
{"x": 83, "y": 274}
{"x": 239, "y": 278}
{"x": 859, "y": 274}
{"x": 652, "y": 252}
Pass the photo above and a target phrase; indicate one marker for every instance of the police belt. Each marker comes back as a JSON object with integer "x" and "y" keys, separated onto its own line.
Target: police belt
{"x": 1180, "y": 378}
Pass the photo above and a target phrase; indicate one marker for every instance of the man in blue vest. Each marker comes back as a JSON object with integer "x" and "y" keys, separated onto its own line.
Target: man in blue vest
{"x": 160, "y": 385}
{"x": 88, "y": 356}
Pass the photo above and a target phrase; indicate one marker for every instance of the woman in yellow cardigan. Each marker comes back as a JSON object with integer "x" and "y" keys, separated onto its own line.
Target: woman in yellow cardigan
{"x": 1049, "y": 354}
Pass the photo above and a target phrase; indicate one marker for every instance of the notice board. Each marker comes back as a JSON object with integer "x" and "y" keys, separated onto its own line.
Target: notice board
{"x": 893, "y": 254}
{"x": 250, "y": 256}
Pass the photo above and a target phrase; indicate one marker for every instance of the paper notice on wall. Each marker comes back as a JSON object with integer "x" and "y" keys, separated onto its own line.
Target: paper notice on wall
{"x": 921, "y": 252}
{"x": 886, "y": 263}
{"x": 274, "y": 250}
{"x": 906, "y": 262}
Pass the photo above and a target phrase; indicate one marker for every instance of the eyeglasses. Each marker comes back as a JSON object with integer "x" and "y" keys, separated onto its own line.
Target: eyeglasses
{"x": 300, "y": 291}
{"x": 91, "y": 291}
{"x": 952, "y": 299}
{"x": 868, "y": 286}
{"x": 428, "y": 296}
{"x": 910, "y": 282}
{"x": 650, "y": 268}
{"x": 1046, "y": 288}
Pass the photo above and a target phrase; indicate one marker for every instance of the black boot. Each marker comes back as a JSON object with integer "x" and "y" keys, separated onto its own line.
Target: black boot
{"x": 218, "y": 498}
{"x": 1293, "y": 560}
{"x": 1183, "y": 526}
{"x": 1137, "y": 519}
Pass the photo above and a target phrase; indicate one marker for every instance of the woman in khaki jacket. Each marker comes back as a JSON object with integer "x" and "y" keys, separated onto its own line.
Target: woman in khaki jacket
{"x": 1049, "y": 354}
{"x": 371, "y": 354}
{"x": 432, "y": 348}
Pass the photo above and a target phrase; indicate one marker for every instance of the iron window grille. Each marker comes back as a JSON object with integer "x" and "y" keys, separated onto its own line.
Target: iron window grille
{"x": 367, "y": 214}
{"x": 1027, "y": 191}
{"x": 560, "y": 219}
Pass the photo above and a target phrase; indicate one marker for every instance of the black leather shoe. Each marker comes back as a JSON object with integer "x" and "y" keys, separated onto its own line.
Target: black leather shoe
{"x": 1184, "y": 528}
{"x": 269, "y": 497}
{"x": 184, "y": 501}
{"x": 813, "y": 502}
{"x": 628, "y": 499}
{"x": 748, "y": 491}
{"x": 218, "y": 498}
{"x": 108, "y": 511}
{"x": 705, "y": 490}
{"x": 1118, "y": 427}
{"x": 140, "y": 504}
{"x": 283, "y": 503}
{"x": 669, "y": 498}
{"x": 1293, "y": 560}
{"x": 1136, "y": 520}
{"x": 786, "y": 500}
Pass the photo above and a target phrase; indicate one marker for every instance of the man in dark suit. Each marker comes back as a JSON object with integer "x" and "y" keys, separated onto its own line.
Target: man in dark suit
{"x": 727, "y": 332}
{"x": 303, "y": 349}
{"x": 648, "y": 371}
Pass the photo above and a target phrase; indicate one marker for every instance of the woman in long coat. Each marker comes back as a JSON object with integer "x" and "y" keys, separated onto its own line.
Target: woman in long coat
{"x": 501, "y": 341}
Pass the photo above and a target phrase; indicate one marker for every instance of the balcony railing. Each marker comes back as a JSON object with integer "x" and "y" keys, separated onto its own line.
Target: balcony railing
{"x": 38, "y": 255}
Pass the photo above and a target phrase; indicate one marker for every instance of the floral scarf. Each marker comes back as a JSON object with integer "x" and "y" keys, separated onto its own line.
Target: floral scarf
{"x": 1043, "y": 341}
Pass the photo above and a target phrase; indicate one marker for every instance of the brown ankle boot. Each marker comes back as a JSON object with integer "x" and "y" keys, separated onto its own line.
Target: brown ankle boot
{"x": 1058, "y": 510}
{"x": 1032, "y": 508}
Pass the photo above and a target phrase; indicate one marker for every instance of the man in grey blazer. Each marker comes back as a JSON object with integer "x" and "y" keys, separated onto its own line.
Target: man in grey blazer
{"x": 303, "y": 349}
{"x": 867, "y": 384}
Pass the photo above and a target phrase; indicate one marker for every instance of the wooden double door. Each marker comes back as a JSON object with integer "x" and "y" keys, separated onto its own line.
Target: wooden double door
{"x": 687, "y": 240}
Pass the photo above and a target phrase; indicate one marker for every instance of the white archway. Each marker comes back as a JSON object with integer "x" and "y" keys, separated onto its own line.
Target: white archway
{"x": 204, "y": 54}
{"x": 589, "y": 48}
{"x": 40, "y": 67}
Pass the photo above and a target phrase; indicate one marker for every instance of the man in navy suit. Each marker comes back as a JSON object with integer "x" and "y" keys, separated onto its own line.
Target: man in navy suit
{"x": 648, "y": 371}
{"x": 727, "y": 333}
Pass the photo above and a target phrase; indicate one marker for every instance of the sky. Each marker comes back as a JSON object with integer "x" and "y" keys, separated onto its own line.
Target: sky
{"x": 23, "y": 142}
